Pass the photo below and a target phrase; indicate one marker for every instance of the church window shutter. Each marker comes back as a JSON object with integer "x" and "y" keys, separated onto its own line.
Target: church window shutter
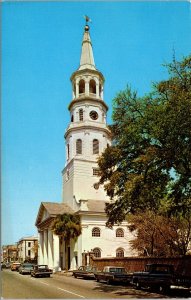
{"x": 96, "y": 232}
{"x": 119, "y": 252}
{"x": 97, "y": 252}
{"x": 119, "y": 232}
{"x": 81, "y": 114}
{"x": 79, "y": 146}
{"x": 95, "y": 146}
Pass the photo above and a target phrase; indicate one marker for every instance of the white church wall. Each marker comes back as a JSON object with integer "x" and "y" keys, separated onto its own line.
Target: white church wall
{"x": 84, "y": 181}
{"x": 108, "y": 243}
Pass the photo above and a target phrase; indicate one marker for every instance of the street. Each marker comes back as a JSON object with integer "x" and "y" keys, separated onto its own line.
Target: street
{"x": 17, "y": 286}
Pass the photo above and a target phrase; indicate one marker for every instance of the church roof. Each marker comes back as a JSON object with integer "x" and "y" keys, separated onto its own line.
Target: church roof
{"x": 54, "y": 208}
{"x": 49, "y": 210}
{"x": 87, "y": 58}
{"x": 96, "y": 205}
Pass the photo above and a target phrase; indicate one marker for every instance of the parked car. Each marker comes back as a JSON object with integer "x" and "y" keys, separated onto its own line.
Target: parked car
{"x": 7, "y": 265}
{"x": 85, "y": 272}
{"x": 25, "y": 268}
{"x": 15, "y": 266}
{"x": 160, "y": 277}
{"x": 3, "y": 265}
{"x": 41, "y": 271}
{"x": 111, "y": 274}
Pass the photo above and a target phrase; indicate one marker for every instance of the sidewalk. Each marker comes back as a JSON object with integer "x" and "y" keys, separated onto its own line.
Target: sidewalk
{"x": 63, "y": 273}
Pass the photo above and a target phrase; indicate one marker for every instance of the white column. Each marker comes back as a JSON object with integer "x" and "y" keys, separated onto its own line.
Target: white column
{"x": 102, "y": 92}
{"x": 87, "y": 90}
{"x": 41, "y": 249}
{"x": 56, "y": 252}
{"x": 50, "y": 249}
{"x": 97, "y": 89}
{"x": 45, "y": 247}
{"x": 77, "y": 90}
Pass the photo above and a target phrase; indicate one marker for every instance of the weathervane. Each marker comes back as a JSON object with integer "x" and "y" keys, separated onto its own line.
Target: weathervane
{"x": 87, "y": 19}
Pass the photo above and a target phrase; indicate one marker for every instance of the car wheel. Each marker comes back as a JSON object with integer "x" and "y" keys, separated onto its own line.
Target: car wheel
{"x": 138, "y": 286}
{"x": 75, "y": 276}
{"x": 163, "y": 289}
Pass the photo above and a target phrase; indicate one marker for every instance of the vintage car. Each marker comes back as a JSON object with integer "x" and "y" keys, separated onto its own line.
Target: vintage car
{"x": 113, "y": 274}
{"x": 15, "y": 266}
{"x": 25, "y": 268}
{"x": 41, "y": 271}
{"x": 160, "y": 277}
{"x": 85, "y": 272}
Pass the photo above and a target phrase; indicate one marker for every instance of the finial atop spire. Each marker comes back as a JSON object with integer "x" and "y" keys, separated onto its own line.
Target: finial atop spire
{"x": 87, "y": 19}
{"x": 87, "y": 58}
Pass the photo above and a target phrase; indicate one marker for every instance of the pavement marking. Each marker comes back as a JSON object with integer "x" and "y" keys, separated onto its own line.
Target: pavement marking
{"x": 44, "y": 283}
{"x": 70, "y": 292}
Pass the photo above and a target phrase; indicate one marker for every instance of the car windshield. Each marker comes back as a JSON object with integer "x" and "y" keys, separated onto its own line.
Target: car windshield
{"x": 43, "y": 267}
{"x": 27, "y": 266}
{"x": 89, "y": 269}
{"x": 117, "y": 270}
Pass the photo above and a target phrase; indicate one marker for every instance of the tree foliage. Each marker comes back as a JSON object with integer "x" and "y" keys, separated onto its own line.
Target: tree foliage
{"x": 67, "y": 226}
{"x": 148, "y": 165}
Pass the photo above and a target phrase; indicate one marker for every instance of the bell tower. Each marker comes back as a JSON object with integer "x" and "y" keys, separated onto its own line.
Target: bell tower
{"x": 87, "y": 134}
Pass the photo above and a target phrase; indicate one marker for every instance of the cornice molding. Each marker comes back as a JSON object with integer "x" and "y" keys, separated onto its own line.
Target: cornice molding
{"x": 84, "y": 99}
{"x": 87, "y": 127}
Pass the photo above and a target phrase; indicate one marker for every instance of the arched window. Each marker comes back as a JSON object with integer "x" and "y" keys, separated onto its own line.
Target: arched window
{"x": 97, "y": 252}
{"x": 81, "y": 114}
{"x": 95, "y": 146}
{"x": 81, "y": 86}
{"x": 119, "y": 232}
{"x": 92, "y": 86}
{"x": 79, "y": 146}
{"x": 72, "y": 118}
{"x": 95, "y": 231}
{"x": 119, "y": 252}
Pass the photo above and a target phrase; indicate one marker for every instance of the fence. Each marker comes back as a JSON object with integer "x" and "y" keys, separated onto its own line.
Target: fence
{"x": 182, "y": 265}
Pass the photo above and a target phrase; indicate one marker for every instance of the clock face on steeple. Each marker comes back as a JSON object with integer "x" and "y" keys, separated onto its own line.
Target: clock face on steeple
{"x": 93, "y": 115}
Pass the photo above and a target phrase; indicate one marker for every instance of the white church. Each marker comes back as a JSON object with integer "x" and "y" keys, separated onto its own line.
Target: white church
{"x": 86, "y": 138}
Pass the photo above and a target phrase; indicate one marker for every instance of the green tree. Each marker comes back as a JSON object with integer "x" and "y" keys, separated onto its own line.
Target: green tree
{"x": 67, "y": 227}
{"x": 149, "y": 162}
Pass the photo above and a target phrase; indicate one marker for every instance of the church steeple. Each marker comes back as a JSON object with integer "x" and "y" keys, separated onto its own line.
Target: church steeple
{"x": 87, "y": 81}
{"x": 87, "y": 58}
{"x": 87, "y": 134}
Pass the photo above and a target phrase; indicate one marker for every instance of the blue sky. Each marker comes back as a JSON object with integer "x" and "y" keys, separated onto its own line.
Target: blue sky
{"x": 41, "y": 46}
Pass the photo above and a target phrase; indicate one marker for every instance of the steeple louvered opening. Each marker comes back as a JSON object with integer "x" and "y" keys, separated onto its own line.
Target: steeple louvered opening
{"x": 81, "y": 86}
{"x": 95, "y": 146}
{"x": 92, "y": 86}
{"x": 79, "y": 146}
{"x": 81, "y": 114}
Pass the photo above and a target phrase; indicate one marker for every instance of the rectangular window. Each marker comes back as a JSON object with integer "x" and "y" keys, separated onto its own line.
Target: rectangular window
{"x": 29, "y": 253}
{"x": 29, "y": 244}
{"x": 95, "y": 172}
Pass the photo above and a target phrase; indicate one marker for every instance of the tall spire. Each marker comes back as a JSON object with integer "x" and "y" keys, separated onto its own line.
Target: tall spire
{"x": 87, "y": 58}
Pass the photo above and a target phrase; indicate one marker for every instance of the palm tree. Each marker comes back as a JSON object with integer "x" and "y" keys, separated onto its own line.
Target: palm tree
{"x": 67, "y": 226}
